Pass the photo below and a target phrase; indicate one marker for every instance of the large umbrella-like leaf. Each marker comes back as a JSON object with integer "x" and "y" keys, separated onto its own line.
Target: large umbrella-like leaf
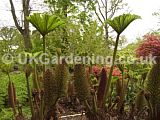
{"x": 45, "y": 23}
{"x": 120, "y": 23}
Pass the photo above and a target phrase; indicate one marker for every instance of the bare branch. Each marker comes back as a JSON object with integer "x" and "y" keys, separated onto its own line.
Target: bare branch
{"x": 102, "y": 3}
{"x": 98, "y": 16}
{"x": 15, "y": 17}
{"x": 93, "y": 7}
{"x": 99, "y": 7}
{"x": 106, "y": 9}
{"x": 114, "y": 8}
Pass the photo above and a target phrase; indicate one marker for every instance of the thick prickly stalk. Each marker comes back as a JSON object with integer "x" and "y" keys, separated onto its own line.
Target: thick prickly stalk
{"x": 140, "y": 100}
{"x": 14, "y": 92}
{"x": 28, "y": 71}
{"x": 80, "y": 82}
{"x": 12, "y": 96}
{"x": 121, "y": 89}
{"x": 58, "y": 51}
{"x": 101, "y": 88}
{"x": 153, "y": 86}
{"x": 35, "y": 79}
{"x": 148, "y": 96}
{"x": 50, "y": 94}
{"x": 50, "y": 89}
{"x": 71, "y": 89}
{"x": 61, "y": 77}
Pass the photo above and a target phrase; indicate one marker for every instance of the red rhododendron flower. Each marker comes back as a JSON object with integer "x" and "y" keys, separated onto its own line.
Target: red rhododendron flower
{"x": 150, "y": 46}
{"x": 116, "y": 72}
{"x": 96, "y": 70}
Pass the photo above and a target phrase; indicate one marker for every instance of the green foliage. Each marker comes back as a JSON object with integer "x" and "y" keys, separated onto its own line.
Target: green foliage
{"x": 36, "y": 41}
{"x": 10, "y": 40}
{"x": 7, "y": 113}
{"x": 45, "y": 23}
{"x": 92, "y": 40}
{"x": 65, "y": 7}
{"x": 21, "y": 92}
{"x": 128, "y": 51}
{"x": 81, "y": 39}
{"x": 19, "y": 81}
{"x": 120, "y": 23}
{"x": 6, "y": 68}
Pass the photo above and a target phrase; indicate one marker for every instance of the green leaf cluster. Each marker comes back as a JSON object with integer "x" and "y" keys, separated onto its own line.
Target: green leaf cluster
{"x": 120, "y": 23}
{"x": 45, "y": 23}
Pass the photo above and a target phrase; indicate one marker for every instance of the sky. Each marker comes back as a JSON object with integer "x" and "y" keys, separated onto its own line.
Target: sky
{"x": 144, "y": 8}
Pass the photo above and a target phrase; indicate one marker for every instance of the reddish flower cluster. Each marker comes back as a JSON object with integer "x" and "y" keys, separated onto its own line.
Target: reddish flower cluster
{"x": 150, "y": 46}
{"x": 116, "y": 72}
{"x": 96, "y": 70}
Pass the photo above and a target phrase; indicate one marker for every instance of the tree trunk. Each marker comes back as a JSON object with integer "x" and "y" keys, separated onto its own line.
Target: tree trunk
{"x": 27, "y": 41}
{"x": 106, "y": 17}
{"x": 24, "y": 29}
{"x": 26, "y": 35}
{"x": 65, "y": 15}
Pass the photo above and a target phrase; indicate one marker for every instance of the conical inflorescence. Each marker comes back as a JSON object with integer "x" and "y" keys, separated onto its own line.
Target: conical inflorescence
{"x": 102, "y": 87}
{"x": 61, "y": 77}
{"x": 50, "y": 88}
{"x": 81, "y": 83}
{"x": 12, "y": 96}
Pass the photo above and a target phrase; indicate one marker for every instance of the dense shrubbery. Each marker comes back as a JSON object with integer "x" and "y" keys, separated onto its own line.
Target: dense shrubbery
{"x": 20, "y": 84}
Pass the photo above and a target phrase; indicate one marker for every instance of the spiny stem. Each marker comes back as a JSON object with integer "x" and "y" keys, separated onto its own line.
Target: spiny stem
{"x": 112, "y": 66}
{"x": 29, "y": 96}
{"x": 44, "y": 52}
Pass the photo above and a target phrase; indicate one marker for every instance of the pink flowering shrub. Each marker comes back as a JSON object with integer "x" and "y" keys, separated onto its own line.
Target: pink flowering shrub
{"x": 150, "y": 46}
